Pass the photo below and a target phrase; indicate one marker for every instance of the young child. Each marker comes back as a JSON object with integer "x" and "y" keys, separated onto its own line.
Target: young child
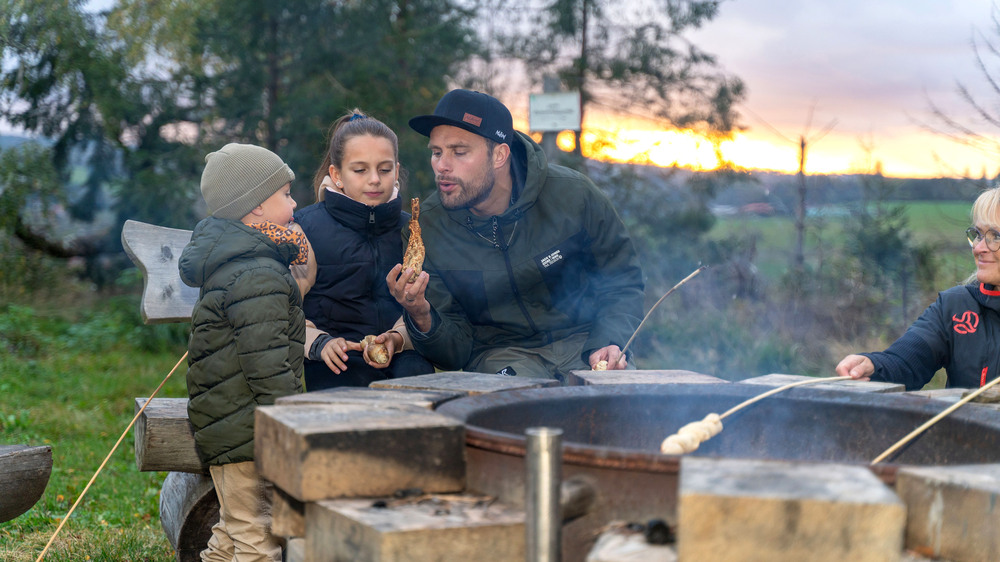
{"x": 247, "y": 334}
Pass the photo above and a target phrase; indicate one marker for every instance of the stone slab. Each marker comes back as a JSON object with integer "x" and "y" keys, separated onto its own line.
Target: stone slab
{"x": 288, "y": 515}
{"x": 577, "y": 378}
{"x": 457, "y": 528}
{"x": 777, "y": 379}
{"x": 953, "y": 512}
{"x": 316, "y": 452}
{"x": 952, "y": 395}
{"x": 739, "y": 509}
{"x": 360, "y": 395}
{"x": 470, "y": 384}
{"x": 947, "y": 394}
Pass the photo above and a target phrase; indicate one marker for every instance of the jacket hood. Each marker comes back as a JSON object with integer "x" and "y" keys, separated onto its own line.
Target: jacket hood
{"x": 216, "y": 242}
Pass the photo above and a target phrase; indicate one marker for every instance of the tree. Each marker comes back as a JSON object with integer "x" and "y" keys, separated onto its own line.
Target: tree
{"x": 630, "y": 56}
{"x": 136, "y": 96}
{"x": 979, "y": 129}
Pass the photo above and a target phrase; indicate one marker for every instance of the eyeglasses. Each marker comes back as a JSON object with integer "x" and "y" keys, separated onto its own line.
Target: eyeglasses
{"x": 992, "y": 238}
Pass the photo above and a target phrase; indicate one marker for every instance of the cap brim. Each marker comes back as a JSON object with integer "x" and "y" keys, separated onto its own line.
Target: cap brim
{"x": 424, "y": 124}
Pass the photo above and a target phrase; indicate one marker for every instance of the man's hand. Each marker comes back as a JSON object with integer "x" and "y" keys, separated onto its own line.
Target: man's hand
{"x": 612, "y": 354}
{"x": 334, "y": 353}
{"x": 856, "y": 366}
{"x": 411, "y": 295}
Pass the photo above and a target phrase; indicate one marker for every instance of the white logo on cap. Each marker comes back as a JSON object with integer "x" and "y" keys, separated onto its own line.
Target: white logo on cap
{"x": 501, "y": 134}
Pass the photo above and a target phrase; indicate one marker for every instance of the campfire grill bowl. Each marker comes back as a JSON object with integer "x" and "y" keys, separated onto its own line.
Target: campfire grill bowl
{"x": 612, "y": 434}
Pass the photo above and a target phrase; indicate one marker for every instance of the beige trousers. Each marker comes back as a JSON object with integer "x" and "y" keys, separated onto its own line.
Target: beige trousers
{"x": 243, "y": 533}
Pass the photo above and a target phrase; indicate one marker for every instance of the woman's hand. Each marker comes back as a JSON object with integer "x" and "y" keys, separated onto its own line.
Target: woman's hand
{"x": 856, "y": 366}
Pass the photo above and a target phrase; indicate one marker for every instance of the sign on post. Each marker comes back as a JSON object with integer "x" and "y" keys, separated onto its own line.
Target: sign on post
{"x": 554, "y": 112}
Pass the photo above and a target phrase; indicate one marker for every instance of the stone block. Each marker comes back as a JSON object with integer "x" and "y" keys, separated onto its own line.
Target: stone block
{"x": 953, "y": 512}
{"x": 350, "y": 450}
{"x": 738, "y": 509}
{"x": 776, "y": 379}
{"x": 288, "y": 515}
{"x": 986, "y": 401}
{"x": 578, "y": 378}
{"x": 455, "y": 528}
{"x": 360, "y": 395}
{"x": 470, "y": 384}
{"x": 945, "y": 394}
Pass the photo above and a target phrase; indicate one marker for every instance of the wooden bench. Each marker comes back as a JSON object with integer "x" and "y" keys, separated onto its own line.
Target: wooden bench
{"x": 164, "y": 439}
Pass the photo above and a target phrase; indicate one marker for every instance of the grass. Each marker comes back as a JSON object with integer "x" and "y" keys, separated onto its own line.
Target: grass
{"x": 69, "y": 382}
{"x": 940, "y": 224}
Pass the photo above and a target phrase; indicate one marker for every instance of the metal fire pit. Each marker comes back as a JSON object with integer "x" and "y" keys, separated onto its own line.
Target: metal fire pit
{"x": 612, "y": 435}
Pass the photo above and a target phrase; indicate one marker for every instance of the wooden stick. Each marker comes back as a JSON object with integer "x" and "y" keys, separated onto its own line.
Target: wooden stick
{"x": 770, "y": 393}
{"x": 113, "y": 449}
{"x": 652, "y": 308}
{"x": 779, "y": 389}
{"x": 933, "y": 421}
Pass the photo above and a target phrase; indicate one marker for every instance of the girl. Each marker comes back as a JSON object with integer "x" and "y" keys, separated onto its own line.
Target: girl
{"x": 354, "y": 228}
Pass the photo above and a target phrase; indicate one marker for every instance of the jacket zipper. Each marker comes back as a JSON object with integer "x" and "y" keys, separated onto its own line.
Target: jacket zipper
{"x": 373, "y": 242}
{"x": 498, "y": 242}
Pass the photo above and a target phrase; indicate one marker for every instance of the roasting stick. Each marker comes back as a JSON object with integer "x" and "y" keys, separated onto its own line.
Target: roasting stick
{"x": 113, "y": 449}
{"x": 779, "y": 389}
{"x": 933, "y": 421}
{"x": 689, "y": 436}
{"x": 651, "y": 309}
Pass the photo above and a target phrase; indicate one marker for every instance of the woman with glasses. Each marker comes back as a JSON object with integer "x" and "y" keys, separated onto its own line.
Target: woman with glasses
{"x": 960, "y": 331}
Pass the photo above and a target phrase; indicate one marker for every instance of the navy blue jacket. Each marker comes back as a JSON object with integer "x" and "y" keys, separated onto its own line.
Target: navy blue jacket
{"x": 355, "y": 246}
{"x": 958, "y": 332}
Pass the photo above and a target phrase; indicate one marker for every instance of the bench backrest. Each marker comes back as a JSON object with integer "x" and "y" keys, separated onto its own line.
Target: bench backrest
{"x": 155, "y": 251}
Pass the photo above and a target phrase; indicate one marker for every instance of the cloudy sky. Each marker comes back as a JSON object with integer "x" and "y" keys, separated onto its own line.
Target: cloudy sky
{"x": 870, "y": 66}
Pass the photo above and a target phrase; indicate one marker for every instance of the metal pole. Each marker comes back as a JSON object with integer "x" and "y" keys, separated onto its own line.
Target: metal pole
{"x": 543, "y": 520}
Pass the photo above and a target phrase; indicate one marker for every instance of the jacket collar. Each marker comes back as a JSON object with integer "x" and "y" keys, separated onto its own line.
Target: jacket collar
{"x": 363, "y": 218}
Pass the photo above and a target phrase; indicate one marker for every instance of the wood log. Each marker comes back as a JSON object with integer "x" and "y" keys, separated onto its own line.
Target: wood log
{"x": 188, "y": 510}
{"x": 24, "y": 474}
{"x": 155, "y": 251}
{"x": 164, "y": 438}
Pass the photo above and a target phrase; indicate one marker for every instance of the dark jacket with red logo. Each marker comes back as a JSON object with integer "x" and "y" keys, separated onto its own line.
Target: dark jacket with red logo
{"x": 959, "y": 332}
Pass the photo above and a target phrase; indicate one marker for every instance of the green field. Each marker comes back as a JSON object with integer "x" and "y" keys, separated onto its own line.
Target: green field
{"x": 939, "y": 224}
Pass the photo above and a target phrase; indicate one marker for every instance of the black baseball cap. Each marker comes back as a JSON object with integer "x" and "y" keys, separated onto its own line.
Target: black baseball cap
{"x": 475, "y": 112}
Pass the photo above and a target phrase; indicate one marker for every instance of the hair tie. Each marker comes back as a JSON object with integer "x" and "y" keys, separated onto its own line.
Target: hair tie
{"x": 356, "y": 116}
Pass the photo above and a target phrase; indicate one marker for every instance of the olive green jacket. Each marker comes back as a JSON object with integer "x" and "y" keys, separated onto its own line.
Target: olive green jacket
{"x": 247, "y": 333}
{"x": 557, "y": 262}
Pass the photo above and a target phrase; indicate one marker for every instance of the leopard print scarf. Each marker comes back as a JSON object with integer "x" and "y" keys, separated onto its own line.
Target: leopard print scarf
{"x": 283, "y": 235}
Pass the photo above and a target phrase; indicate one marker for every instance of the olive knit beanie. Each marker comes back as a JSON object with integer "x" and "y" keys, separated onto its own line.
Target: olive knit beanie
{"x": 239, "y": 177}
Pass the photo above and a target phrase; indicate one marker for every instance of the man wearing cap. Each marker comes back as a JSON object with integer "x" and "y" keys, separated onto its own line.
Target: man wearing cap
{"x": 529, "y": 270}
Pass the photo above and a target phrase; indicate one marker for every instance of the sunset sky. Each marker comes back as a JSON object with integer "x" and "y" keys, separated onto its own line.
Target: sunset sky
{"x": 871, "y": 69}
